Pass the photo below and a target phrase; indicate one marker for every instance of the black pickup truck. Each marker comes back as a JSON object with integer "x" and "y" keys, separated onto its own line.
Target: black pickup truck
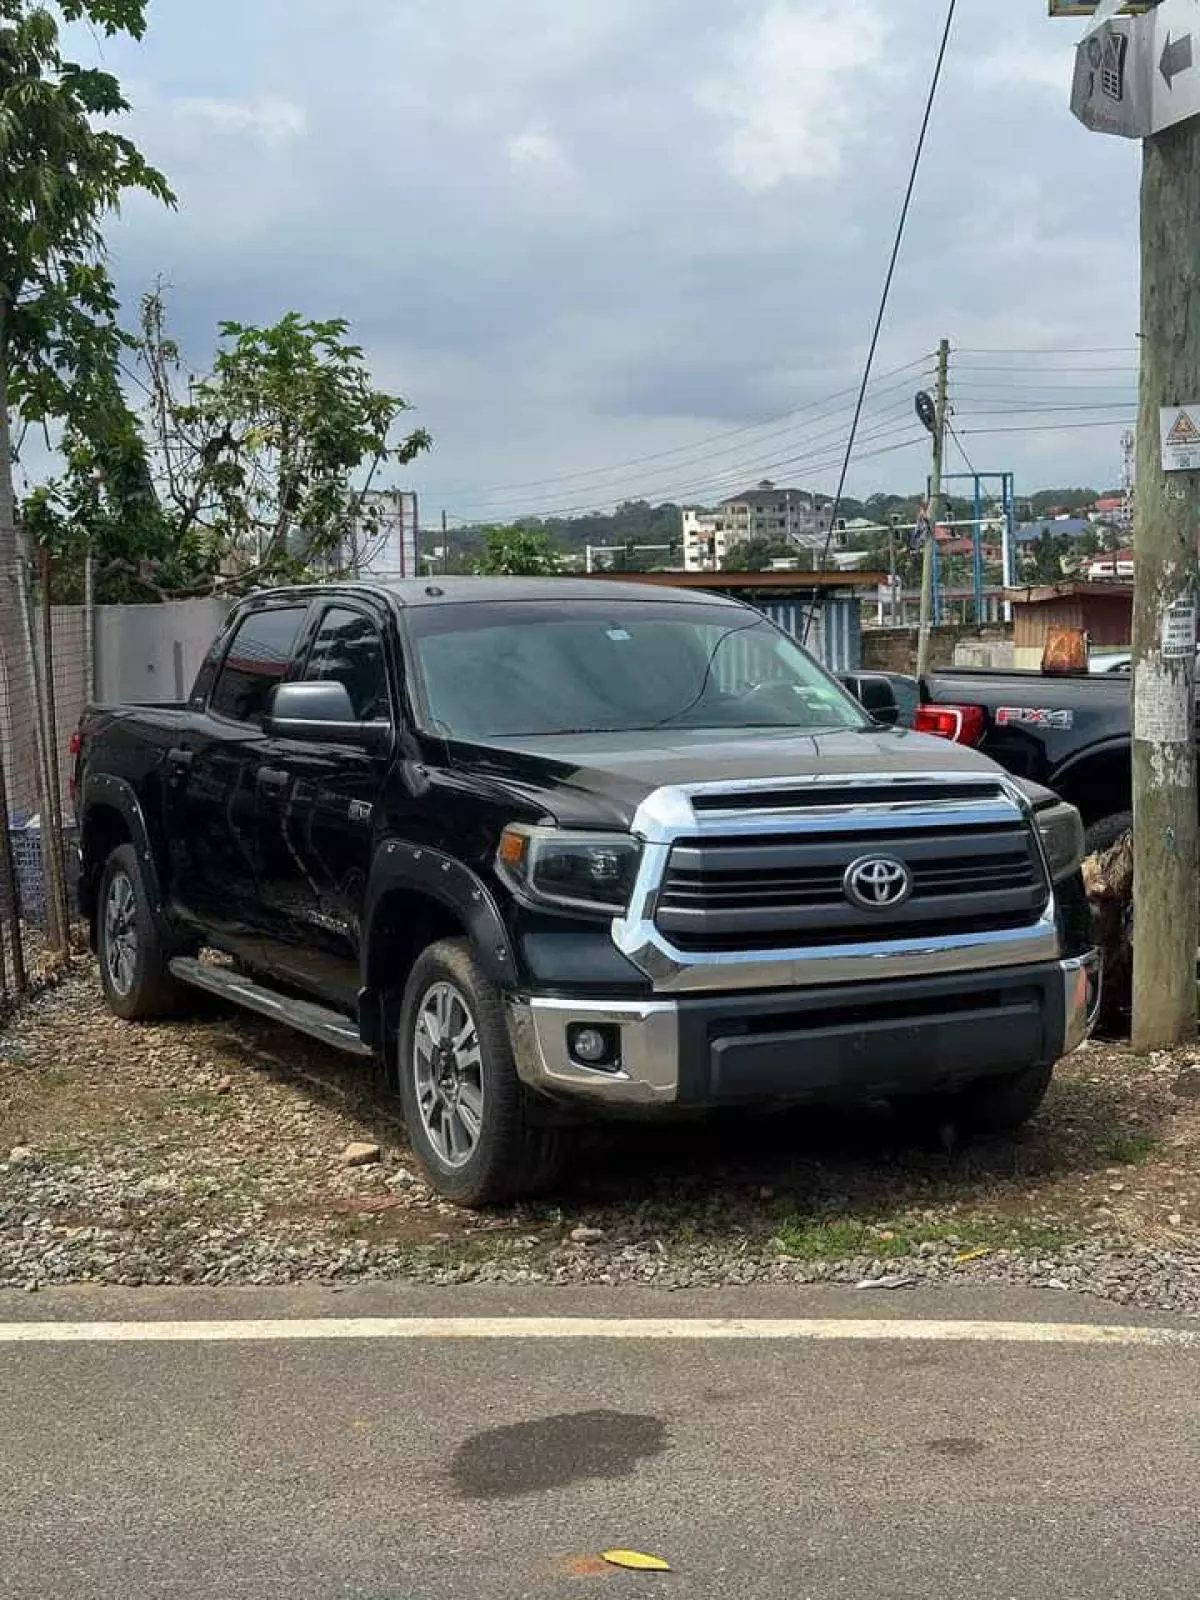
{"x": 1071, "y": 732}
{"x": 554, "y": 848}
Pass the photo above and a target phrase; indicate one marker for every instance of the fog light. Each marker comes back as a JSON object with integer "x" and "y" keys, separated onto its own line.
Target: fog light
{"x": 593, "y": 1046}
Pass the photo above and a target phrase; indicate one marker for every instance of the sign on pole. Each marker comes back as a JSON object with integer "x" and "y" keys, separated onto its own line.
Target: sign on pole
{"x": 1136, "y": 76}
{"x": 1180, "y": 426}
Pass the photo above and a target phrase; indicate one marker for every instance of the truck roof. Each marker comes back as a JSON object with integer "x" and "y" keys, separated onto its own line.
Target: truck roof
{"x": 437, "y": 590}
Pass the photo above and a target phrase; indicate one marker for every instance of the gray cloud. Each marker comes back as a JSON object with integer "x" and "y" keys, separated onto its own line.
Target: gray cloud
{"x": 577, "y": 234}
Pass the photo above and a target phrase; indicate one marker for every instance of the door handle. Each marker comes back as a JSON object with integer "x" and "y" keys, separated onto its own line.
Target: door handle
{"x": 273, "y": 780}
{"x": 181, "y": 757}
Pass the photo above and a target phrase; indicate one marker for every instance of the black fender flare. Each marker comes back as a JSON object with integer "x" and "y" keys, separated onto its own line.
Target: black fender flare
{"x": 420, "y": 869}
{"x": 1113, "y": 745}
{"x": 100, "y": 789}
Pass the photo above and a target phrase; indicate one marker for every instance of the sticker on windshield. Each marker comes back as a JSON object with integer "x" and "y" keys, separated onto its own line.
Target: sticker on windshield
{"x": 618, "y": 633}
{"x": 1034, "y": 717}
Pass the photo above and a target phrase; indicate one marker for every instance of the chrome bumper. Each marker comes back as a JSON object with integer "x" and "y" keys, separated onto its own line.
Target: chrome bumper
{"x": 652, "y": 1034}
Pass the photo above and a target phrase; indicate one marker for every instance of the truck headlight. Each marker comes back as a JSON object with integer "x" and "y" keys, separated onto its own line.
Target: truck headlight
{"x": 586, "y": 871}
{"x": 1061, "y": 828}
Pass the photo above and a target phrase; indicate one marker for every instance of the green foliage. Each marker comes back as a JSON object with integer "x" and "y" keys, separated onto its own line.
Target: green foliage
{"x": 516, "y": 551}
{"x": 756, "y": 554}
{"x": 263, "y": 467}
{"x": 1044, "y": 564}
{"x": 256, "y": 473}
{"x": 62, "y": 170}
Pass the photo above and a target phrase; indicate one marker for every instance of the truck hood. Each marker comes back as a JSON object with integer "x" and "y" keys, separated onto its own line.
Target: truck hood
{"x": 599, "y": 780}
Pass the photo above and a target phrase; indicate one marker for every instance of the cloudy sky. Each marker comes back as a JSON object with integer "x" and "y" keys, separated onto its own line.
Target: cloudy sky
{"x": 633, "y": 247}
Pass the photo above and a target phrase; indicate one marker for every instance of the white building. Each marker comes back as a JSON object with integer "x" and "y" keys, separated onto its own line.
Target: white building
{"x": 764, "y": 512}
{"x": 386, "y": 540}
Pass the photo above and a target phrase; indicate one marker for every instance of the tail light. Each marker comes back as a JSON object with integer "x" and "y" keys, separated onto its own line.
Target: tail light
{"x": 959, "y": 724}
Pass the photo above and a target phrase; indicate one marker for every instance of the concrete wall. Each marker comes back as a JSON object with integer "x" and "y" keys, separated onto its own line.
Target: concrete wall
{"x": 153, "y": 652}
{"x": 895, "y": 649}
{"x": 148, "y": 653}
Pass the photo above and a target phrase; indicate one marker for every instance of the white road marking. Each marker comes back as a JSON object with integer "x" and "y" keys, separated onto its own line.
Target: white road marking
{"x": 695, "y": 1329}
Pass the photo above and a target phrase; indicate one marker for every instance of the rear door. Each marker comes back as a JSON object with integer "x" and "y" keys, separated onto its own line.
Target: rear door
{"x": 317, "y": 830}
{"x": 213, "y": 788}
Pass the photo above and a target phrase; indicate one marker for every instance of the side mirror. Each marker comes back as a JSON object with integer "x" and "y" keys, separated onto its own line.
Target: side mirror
{"x": 876, "y": 696}
{"x": 324, "y": 713}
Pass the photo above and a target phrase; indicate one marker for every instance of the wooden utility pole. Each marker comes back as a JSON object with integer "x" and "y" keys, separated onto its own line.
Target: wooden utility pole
{"x": 1166, "y": 522}
{"x": 935, "y": 507}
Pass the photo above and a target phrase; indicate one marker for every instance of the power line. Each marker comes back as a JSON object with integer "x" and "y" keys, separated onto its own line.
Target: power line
{"x": 887, "y": 289}
{"x": 1053, "y": 427}
{"x": 784, "y": 417}
{"x": 483, "y": 498}
{"x": 679, "y": 477}
{"x": 813, "y": 458}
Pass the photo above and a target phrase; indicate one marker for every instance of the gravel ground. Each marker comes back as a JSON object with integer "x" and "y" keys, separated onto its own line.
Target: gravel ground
{"x": 215, "y": 1151}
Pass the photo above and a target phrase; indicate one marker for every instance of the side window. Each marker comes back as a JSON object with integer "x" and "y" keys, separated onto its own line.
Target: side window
{"x": 349, "y": 650}
{"x": 258, "y": 658}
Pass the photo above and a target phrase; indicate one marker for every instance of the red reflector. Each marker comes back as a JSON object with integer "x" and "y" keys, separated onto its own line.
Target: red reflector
{"x": 960, "y": 724}
{"x": 75, "y": 744}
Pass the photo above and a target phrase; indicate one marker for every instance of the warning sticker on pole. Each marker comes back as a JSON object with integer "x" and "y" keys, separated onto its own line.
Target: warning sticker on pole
{"x": 1180, "y": 438}
{"x": 1179, "y": 629}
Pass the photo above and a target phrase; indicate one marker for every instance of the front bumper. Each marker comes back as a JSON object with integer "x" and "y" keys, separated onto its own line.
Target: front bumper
{"x": 846, "y": 1041}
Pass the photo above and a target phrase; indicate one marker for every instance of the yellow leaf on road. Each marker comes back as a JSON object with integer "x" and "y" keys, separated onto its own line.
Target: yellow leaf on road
{"x": 636, "y": 1560}
{"x": 972, "y": 1255}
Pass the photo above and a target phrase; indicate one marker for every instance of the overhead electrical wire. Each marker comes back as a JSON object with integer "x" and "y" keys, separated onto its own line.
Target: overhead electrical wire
{"x": 881, "y": 313}
{"x": 619, "y": 486}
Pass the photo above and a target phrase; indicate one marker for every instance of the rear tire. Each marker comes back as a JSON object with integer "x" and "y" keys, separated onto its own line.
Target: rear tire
{"x": 466, "y": 1110}
{"x": 134, "y": 969}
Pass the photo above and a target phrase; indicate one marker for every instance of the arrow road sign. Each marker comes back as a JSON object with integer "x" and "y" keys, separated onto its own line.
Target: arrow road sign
{"x": 1136, "y": 76}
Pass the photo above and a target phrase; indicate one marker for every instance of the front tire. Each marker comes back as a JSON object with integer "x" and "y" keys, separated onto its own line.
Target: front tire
{"x": 465, "y": 1108}
{"x": 1001, "y": 1105}
{"x": 134, "y": 970}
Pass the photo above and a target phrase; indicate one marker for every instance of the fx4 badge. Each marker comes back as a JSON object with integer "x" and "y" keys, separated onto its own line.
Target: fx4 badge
{"x": 1034, "y": 717}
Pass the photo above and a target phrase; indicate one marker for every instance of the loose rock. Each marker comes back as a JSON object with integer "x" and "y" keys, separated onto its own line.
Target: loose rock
{"x": 361, "y": 1154}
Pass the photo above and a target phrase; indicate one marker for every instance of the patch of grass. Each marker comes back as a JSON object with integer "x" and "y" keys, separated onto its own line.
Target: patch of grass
{"x": 1129, "y": 1149}
{"x": 841, "y": 1239}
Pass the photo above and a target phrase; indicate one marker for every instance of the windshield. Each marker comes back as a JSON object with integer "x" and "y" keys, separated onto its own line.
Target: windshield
{"x": 502, "y": 671}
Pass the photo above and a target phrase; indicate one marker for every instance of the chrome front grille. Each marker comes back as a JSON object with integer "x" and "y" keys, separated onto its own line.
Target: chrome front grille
{"x": 761, "y": 893}
{"x": 743, "y": 885}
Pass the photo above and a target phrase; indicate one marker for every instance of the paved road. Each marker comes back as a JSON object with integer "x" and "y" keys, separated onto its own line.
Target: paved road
{"x": 489, "y": 1469}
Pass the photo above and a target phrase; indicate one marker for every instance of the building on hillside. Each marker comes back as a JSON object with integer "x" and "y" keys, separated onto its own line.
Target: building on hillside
{"x": 764, "y": 512}
{"x": 1111, "y": 567}
{"x": 1109, "y": 508}
{"x": 1061, "y": 527}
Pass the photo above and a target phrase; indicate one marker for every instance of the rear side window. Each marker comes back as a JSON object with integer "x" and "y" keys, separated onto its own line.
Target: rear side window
{"x": 257, "y": 659}
{"x": 349, "y": 650}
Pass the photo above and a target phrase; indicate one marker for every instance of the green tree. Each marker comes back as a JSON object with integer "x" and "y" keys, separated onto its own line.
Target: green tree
{"x": 62, "y": 170}
{"x": 757, "y": 553}
{"x": 257, "y": 473}
{"x": 1046, "y": 557}
{"x": 516, "y": 552}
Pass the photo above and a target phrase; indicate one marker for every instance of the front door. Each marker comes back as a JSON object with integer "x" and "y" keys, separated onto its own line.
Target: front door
{"x": 318, "y": 829}
{"x": 213, "y": 782}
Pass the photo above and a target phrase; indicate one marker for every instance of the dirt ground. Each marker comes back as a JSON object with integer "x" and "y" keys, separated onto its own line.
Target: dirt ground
{"x": 211, "y": 1150}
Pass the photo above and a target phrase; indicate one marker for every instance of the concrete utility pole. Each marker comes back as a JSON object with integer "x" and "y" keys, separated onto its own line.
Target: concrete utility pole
{"x": 1166, "y": 521}
{"x": 935, "y": 506}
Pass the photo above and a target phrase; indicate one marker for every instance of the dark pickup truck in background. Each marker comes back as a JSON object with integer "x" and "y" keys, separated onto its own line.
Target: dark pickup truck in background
{"x": 1071, "y": 732}
{"x": 553, "y": 848}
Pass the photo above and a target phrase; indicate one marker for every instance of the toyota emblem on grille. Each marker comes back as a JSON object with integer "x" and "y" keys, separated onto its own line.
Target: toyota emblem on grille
{"x": 877, "y": 883}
